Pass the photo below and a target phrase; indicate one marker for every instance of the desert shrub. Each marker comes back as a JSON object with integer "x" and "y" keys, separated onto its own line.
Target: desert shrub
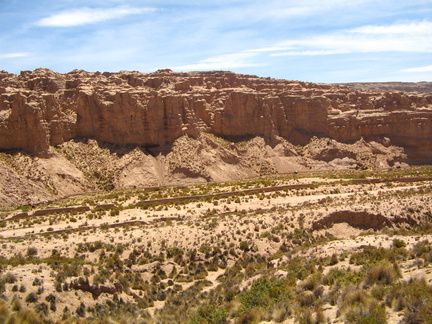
{"x": 333, "y": 259}
{"x": 421, "y": 248}
{"x": 298, "y": 268}
{"x": 371, "y": 255}
{"x": 10, "y": 278}
{"x": 305, "y": 316}
{"x": 306, "y": 299}
{"x": 398, "y": 244}
{"x": 115, "y": 212}
{"x": 205, "y": 248}
{"x": 342, "y": 277}
{"x": 263, "y": 293}
{"x": 31, "y": 298}
{"x": 281, "y": 311}
{"x": 384, "y": 274}
{"x": 81, "y": 310}
{"x": 210, "y": 315}
{"x": 418, "y": 301}
{"x": 173, "y": 251}
{"x": 244, "y": 246}
{"x": 16, "y": 304}
{"x": 51, "y": 298}
{"x": 372, "y": 313}
{"x": 52, "y": 301}
{"x": 42, "y": 308}
{"x": 311, "y": 282}
{"x": 252, "y": 316}
{"x": 32, "y": 251}
{"x": 352, "y": 295}
{"x": 379, "y": 292}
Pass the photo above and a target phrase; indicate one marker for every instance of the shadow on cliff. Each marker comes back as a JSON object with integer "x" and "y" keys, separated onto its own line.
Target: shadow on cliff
{"x": 121, "y": 150}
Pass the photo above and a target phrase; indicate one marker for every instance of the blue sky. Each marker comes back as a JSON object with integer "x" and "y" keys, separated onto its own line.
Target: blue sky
{"x": 308, "y": 40}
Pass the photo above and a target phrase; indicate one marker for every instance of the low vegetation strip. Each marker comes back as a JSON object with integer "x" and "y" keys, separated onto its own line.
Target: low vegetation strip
{"x": 43, "y": 212}
{"x": 276, "y": 188}
{"x": 386, "y": 180}
{"x": 224, "y": 194}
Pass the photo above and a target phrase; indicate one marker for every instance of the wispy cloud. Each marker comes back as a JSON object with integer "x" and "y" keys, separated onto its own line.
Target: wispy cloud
{"x": 282, "y": 9}
{"x": 311, "y": 53}
{"x": 85, "y": 15}
{"x": 271, "y": 49}
{"x": 409, "y": 37}
{"x": 424, "y": 27}
{"x": 427, "y": 68}
{"x": 222, "y": 62}
{"x": 13, "y": 55}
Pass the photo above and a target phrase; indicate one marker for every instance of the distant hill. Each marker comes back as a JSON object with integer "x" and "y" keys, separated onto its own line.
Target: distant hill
{"x": 391, "y": 86}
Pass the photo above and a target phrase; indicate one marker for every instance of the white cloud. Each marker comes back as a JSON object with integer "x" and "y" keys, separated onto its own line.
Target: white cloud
{"x": 427, "y": 68}
{"x": 271, "y": 49}
{"x": 409, "y": 38}
{"x": 85, "y": 15}
{"x": 222, "y": 62}
{"x": 310, "y": 53}
{"x": 282, "y": 9}
{"x": 13, "y": 55}
{"x": 424, "y": 27}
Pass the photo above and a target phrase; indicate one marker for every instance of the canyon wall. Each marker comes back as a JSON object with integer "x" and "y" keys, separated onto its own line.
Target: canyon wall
{"x": 41, "y": 109}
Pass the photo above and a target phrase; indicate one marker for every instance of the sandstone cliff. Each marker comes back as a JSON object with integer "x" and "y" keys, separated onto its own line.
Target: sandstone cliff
{"x": 40, "y": 108}
{"x": 126, "y": 129}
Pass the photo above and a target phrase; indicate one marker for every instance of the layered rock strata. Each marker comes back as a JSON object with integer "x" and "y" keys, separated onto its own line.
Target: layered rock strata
{"x": 41, "y": 108}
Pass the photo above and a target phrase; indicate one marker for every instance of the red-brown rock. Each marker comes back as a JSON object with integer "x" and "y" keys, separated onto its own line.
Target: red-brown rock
{"x": 41, "y": 108}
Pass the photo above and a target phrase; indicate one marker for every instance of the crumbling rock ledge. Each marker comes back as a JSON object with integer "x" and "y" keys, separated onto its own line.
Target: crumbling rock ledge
{"x": 41, "y": 108}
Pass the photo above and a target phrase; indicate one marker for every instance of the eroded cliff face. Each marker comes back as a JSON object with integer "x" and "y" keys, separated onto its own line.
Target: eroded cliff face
{"x": 40, "y": 108}
{"x": 62, "y": 134}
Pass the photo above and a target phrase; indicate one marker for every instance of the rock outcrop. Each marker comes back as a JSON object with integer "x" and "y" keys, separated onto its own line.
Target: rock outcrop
{"x": 361, "y": 219}
{"x": 41, "y": 108}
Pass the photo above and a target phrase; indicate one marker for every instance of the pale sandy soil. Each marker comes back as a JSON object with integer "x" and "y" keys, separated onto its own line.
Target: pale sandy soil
{"x": 224, "y": 222}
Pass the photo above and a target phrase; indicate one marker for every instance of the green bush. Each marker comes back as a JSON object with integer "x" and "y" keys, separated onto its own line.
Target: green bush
{"x": 173, "y": 251}
{"x": 244, "y": 246}
{"x": 32, "y": 251}
{"x": 210, "y": 315}
{"x": 398, "y": 244}
{"x": 264, "y": 293}
{"x": 342, "y": 277}
{"x": 418, "y": 301}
